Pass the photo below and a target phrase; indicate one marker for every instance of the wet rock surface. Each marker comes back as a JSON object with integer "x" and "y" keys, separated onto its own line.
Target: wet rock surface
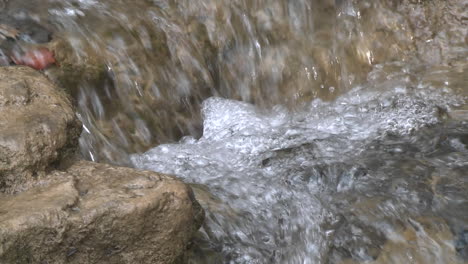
{"x": 96, "y": 213}
{"x": 38, "y": 127}
{"x": 55, "y": 209}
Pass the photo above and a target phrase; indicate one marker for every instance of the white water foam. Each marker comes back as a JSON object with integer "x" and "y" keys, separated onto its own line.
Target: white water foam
{"x": 255, "y": 163}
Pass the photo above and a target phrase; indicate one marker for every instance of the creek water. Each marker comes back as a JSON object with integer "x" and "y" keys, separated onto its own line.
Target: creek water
{"x": 311, "y": 131}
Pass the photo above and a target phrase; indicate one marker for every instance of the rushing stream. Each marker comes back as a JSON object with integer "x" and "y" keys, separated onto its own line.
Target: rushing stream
{"x": 312, "y": 131}
{"x": 333, "y": 182}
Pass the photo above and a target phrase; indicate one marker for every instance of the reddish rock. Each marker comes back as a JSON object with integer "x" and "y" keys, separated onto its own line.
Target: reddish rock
{"x": 38, "y": 58}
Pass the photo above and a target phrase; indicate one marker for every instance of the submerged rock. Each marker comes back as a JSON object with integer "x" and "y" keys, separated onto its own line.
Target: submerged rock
{"x": 38, "y": 127}
{"x": 20, "y": 41}
{"x": 38, "y": 58}
{"x": 20, "y": 26}
{"x": 423, "y": 240}
{"x": 96, "y": 213}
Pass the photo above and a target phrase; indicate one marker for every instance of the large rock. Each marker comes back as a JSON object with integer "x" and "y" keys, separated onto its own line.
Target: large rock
{"x": 96, "y": 213}
{"x": 64, "y": 211}
{"x": 38, "y": 127}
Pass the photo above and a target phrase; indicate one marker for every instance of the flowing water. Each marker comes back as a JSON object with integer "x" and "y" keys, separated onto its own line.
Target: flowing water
{"x": 312, "y": 131}
{"x": 344, "y": 180}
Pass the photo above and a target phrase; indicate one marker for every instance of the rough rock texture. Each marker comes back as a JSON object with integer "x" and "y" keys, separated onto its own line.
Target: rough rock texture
{"x": 89, "y": 213}
{"x": 38, "y": 127}
{"x": 96, "y": 213}
{"x": 439, "y": 30}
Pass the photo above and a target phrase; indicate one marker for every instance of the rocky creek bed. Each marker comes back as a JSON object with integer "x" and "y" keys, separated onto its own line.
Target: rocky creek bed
{"x": 309, "y": 131}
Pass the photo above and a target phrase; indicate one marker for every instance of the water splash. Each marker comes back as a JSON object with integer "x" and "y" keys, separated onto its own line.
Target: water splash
{"x": 342, "y": 150}
{"x": 278, "y": 177}
{"x": 140, "y": 72}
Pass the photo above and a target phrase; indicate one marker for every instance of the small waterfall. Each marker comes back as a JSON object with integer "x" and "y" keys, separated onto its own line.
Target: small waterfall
{"x": 312, "y": 131}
